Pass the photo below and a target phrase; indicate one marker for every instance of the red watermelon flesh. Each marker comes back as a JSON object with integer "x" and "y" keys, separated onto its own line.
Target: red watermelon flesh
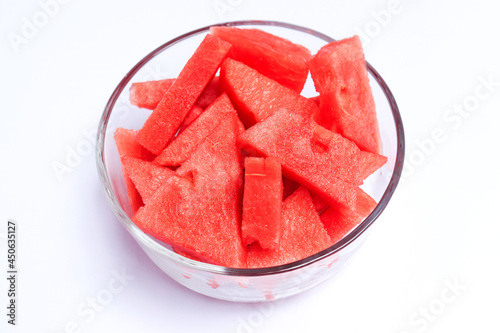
{"x": 323, "y": 161}
{"x": 127, "y": 145}
{"x": 340, "y": 222}
{"x": 315, "y": 99}
{"x": 273, "y": 56}
{"x": 340, "y": 76}
{"x": 210, "y": 94}
{"x": 289, "y": 186}
{"x": 302, "y": 235}
{"x": 186, "y": 142}
{"x": 262, "y": 200}
{"x": 256, "y": 96}
{"x": 168, "y": 115}
{"x": 198, "y": 211}
{"x": 148, "y": 94}
{"x": 190, "y": 117}
{"x": 147, "y": 177}
{"x": 369, "y": 163}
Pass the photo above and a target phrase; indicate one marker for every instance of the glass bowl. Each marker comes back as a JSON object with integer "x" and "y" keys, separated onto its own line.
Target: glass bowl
{"x": 232, "y": 284}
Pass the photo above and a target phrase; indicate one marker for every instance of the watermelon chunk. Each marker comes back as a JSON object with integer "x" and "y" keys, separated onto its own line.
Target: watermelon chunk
{"x": 302, "y": 235}
{"x": 148, "y": 94}
{"x": 168, "y": 115}
{"x": 273, "y": 56}
{"x": 146, "y": 176}
{"x": 186, "y": 142}
{"x": 323, "y": 161}
{"x": 210, "y": 94}
{"x": 369, "y": 163}
{"x": 262, "y": 200}
{"x": 127, "y": 145}
{"x": 198, "y": 211}
{"x": 347, "y": 105}
{"x": 190, "y": 117}
{"x": 256, "y": 97}
{"x": 338, "y": 223}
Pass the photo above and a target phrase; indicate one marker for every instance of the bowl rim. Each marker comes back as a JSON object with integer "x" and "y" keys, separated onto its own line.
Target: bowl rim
{"x": 154, "y": 245}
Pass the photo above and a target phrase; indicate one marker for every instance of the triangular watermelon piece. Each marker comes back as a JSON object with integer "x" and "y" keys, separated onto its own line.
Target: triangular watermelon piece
{"x": 347, "y": 105}
{"x": 256, "y": 97}
{"x": 262, "y": 200}
{"x": 302, "y": 235}
{"x": 369, "y": 163}
{"x": 198, "y": 211}
{"x": 186, "y": 142}
{"x": 273, "y": 56}
{"x": 190, "y": 117}
{"x": 168, "y": 115}
{"x": 146, "y": 176}
{"x": 127, "y": 145}
{"x": 338, "y": 223}
{"x": 148, "y": 94}
{"x": 323, "y": 161}
{"x": 210, "y": 94}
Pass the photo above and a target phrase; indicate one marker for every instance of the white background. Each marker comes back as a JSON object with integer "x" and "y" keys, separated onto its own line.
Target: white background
{"x": 434, "y": 250}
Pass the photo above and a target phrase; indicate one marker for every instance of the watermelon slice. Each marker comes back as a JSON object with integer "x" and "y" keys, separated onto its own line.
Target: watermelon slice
{"x": 273, "y": 56}
{"x": 198, "y": 211}
{"x": 146, "y": 176}
{"x": 302, "y": 235}
{"x": 262, "y": 200}
{"x": 256, "y": 97}
{"x": 369, "y": 163}
{"x": 338, "y": 223}
{"x": 319, "y": 203}
{"x": 323, "y": 161}
{"x": 186, "y": 142}
{"x": 127, "y": 145}
{"x": 347, "y": 106}
{"x": 210, "y": 94}
{"x": 168, "y": 115}
{"x": 190, "y": 117}
{"x": 148, "y": 94}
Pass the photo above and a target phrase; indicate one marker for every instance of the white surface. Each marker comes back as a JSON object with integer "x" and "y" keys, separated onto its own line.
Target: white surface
{"x": 441, "y": 228}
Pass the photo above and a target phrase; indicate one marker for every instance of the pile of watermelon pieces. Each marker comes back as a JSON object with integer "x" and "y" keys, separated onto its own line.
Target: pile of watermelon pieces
{"x": 235, "y": 167}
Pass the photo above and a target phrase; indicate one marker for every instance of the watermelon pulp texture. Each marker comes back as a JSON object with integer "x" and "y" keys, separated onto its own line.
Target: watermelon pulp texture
{"x": 198, "y": 210}
{"x": 170, "y": 112}
{"x": 257, "y": 97}
{"x": 262, "y": 199}
{"x": 148, "y": 94}
{"x": 323, "y": 161}
{"x": 303, "y": 233}
{"x": 186, "y": 142}
{"x": 339, "y": 222}
{"x": 300, "y": 191}
{"x": 346, "y": 101}
{"x": 127, "y": 145}
{"x": 146, "y": 176}
{"x": 273, "y": 56}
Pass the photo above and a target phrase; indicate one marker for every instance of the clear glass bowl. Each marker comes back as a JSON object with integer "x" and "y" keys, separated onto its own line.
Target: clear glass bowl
{"x": 245, "y": 285}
